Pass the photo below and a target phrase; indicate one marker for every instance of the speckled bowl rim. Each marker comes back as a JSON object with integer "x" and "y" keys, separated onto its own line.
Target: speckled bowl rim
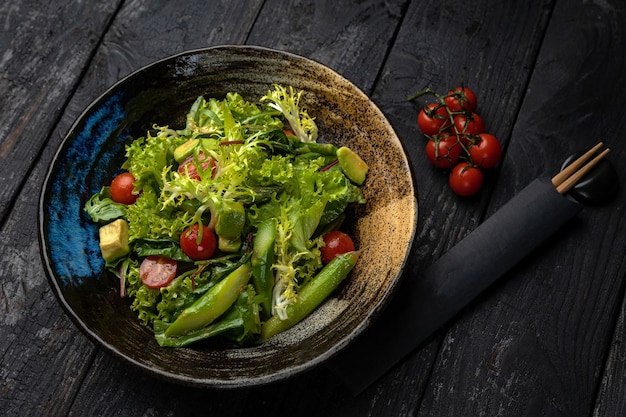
{"x": 215, "y": 383}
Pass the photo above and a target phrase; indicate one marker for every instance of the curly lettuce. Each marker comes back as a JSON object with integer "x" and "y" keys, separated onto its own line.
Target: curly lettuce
{"x": 255, "y": 167}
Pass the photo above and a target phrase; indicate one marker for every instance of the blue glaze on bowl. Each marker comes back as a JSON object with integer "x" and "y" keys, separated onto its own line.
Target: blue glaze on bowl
{"x": 74, "y": 249}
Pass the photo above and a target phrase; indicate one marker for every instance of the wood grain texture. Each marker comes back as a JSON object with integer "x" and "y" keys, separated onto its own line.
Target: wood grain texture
{"x": 545, "y": 341}
{"x": 37, "y": 77}
{"x": 518, "y": 352}
{"x": 145, "y": 31}
{"x": 352, "y": 40}
{"x": 45, "y": 358}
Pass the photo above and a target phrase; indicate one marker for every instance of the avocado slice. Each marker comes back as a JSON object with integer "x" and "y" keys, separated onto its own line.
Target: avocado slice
{"x": 229, "y": 244}
{"x": 184, "y": 150}
{"x": 352, "y": 165}
{"x": 114, "y": 240}
{"x": 231, "y": 217}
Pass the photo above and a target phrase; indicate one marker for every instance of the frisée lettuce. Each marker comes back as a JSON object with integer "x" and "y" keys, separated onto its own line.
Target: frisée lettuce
{"x": 234, "y": 168}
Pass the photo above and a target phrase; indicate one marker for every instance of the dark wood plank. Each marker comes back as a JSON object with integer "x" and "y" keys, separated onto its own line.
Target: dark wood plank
{"x": 146, "y": 31}
{"x": 44, "y": 357}
{"x": 536, "y": 344}
{"x": 39, "y": 69}
{"x": 352, "y": 39}
{"x": 611, "y": 400}
{"x": 40, "y": 63}
{"x": 524, "y": 334}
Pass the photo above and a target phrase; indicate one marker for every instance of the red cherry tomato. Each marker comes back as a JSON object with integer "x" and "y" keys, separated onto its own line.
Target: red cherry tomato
{"x": 191, "y": 165}
{"x": 433, "y": 119}
{"x": 157, "y": 271}
{"x": 486, "y": 152}
{"x": 122, "y": 189}
{"x": 444, "y": 151}
{"x": 461, "y": 99}
{"x": 198, "y": 247}
{"x": 465, "y": 179}
{"x": 335, "y": 243}
{"x": 471, "y": 124}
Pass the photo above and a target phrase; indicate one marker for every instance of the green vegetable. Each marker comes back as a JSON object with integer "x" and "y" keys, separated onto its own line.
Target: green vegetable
{"x": 326, "y": 149}
{"x": 231, "y": 217}
{"x": 268, "y": 196}
{"x": 212, "y": 304}
{"x": 288, "y": 103}
{"x": 312, "y": 294}
{"x": 229, "y": 244}
{"x": 354, "y": 167}
{"x": 240, "y": 323}
{"x": 102, "y": 209}
{"x": 262, "y": 260}
{"x": 185, "y": 150}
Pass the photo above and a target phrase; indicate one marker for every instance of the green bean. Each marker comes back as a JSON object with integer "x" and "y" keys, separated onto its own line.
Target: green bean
{"x": 262, "y": 260}
{"x": 212, "y": 304}
{"x": 326, "y": 149}
{"x": 312, "y": 294}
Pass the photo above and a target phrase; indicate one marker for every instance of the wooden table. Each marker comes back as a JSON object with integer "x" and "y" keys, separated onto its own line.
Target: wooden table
{"x": 546, "y": 340}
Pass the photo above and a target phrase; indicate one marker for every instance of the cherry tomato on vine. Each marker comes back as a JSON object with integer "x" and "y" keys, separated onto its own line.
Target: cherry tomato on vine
{"x": 471, "y": 124}
{"x": 190, "y": 166}
{"x": 433, "y": 119}
{"x": 157, "y": 271}
{"x": 461, "y": 99}
{"x": 198, "y": 247}
{"x": 443, "y": 151}
{"x": 335, "y": 243}
{"x": 486, "y": 152}
{"x": 465, "y": 179}
{"x": 122, "y": 189}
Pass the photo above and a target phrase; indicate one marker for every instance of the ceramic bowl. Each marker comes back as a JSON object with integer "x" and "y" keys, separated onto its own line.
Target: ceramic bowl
{"x": 162, "y": 93}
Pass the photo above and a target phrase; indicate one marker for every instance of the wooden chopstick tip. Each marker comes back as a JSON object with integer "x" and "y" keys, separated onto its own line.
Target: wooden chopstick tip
{"x": 574, "y": 172}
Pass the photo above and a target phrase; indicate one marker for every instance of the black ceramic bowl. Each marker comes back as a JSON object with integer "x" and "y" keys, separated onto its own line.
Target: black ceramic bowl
{"x": 162, "y": 93}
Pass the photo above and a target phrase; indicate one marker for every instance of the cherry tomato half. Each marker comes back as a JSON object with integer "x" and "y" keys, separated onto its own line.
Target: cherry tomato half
{"x": 157, "y": 271}
{"x": 461, "y": 99}
{"x": 198, "y": 247}
{"x": 122, "y": 189}
{"x": 471, "y": 124}
{"x": 465, "y": 179}
{"x": 486, "y": 152}
{"x": 433, "y": 119}
{"x": 335, "y": 243}
{"x": 444, "y": 151}
{"x": 191, "y": 165}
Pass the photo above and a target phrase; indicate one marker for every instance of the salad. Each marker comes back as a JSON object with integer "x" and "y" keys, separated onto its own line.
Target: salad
{"x": 230, "y": 227}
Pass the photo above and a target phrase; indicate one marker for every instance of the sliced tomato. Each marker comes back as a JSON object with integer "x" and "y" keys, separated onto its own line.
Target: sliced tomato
{"x": 192, "y": 167}
{"x": 157, "y": 271}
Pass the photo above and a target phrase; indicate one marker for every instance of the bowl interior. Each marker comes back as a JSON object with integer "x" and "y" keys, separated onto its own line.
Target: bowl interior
{"x": 162, "y": 93}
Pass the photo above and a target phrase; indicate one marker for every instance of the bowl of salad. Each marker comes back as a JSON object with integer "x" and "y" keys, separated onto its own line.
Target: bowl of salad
{"x": 227, "y": 217}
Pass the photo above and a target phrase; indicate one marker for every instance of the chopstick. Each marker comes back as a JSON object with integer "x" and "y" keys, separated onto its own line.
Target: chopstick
{"x": 566, "y": 179}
